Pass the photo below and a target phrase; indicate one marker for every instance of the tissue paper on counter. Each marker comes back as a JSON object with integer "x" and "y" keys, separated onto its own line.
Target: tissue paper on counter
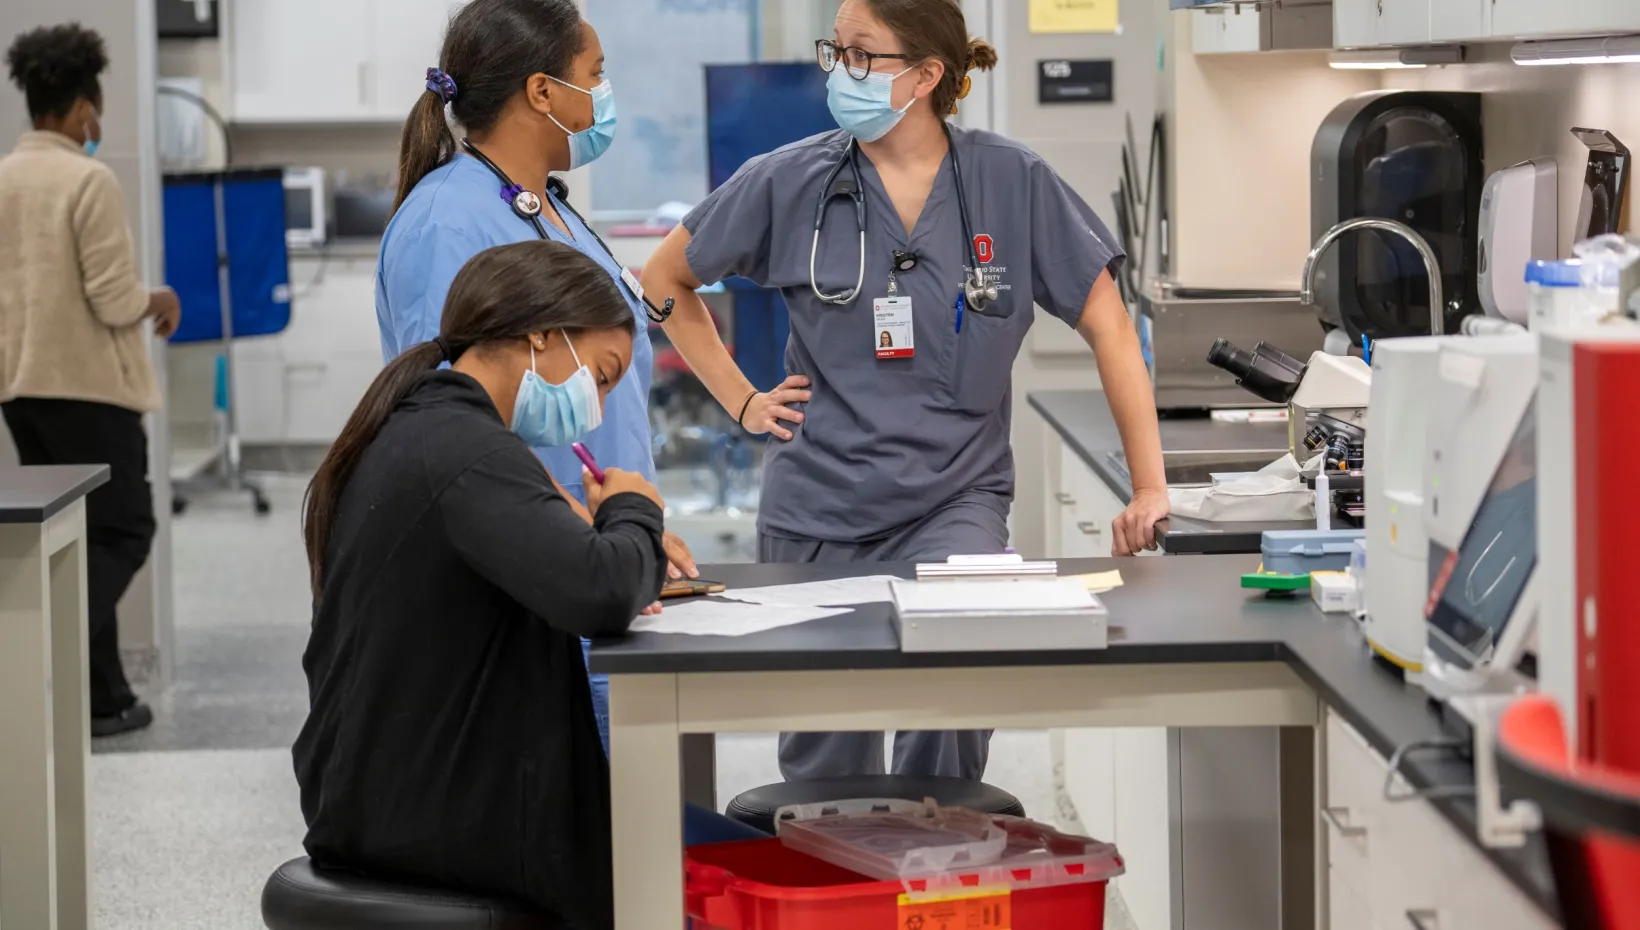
{"x": 1272, "y": 494}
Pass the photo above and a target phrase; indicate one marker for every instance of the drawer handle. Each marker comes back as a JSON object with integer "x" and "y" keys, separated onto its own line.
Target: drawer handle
{"x": 1064, "y": 498}
{"x": 1089, "y": 528}
{"x": 1423, "y": 919}
{"x": 1336, "y": 816}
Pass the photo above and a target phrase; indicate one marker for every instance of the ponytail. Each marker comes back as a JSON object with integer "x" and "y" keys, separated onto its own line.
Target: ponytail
{"x": 490, "y": 50}
{"x": 425, "y": 145}
{"x": 325, "y": 492}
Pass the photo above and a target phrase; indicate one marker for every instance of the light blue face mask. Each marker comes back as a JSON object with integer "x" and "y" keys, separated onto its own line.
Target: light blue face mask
{"x": 90, "y": 144}
{"x": 585, "y": 146}
{"x": 864, "y": 109}
{"x": 546, "y": 414}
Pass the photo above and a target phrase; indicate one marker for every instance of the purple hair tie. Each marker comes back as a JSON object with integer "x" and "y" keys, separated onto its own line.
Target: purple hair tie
{"x": 442, "y": 84}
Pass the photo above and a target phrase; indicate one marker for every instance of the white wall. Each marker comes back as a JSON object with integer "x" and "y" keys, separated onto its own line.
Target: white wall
{"x": 1529, "y": 113}
{"x": 1241, "y": 128}
{"x": 127, "y": 26}
{"x": 1083, "y": 144}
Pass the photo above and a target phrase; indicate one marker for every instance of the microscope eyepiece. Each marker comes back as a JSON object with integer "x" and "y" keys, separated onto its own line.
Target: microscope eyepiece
{"x": 1266, "y": 371}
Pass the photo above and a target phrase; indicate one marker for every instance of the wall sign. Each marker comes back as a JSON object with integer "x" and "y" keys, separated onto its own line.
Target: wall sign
{"x": 1060, "y": 80}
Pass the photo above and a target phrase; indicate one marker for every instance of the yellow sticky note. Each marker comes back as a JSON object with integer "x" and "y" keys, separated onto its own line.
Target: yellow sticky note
{"x": 1074, "y": 16}
{"x": 1099, "y": 581}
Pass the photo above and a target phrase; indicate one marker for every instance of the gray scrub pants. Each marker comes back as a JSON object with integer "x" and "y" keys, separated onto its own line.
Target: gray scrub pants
{"x": 972, "y": 523}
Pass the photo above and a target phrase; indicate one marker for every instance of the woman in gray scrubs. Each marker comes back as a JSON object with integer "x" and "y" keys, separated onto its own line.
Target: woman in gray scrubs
{"x": 900, "y": 452}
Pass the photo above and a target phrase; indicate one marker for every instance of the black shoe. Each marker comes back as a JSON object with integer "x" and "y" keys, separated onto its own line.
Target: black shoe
{"x": 136, "y": 717}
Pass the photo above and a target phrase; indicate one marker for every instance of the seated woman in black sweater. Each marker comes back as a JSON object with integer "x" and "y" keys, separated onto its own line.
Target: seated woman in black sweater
{"x": 451, "y": 740}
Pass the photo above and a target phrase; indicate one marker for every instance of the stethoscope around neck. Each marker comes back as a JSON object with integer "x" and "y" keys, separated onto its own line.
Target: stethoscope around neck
{"x": 527, "y": 204}
{"x": 976, "y": 294}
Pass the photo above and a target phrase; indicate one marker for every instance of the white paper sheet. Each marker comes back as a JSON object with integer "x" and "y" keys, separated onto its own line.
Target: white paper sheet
{"x": 728, "y": 618}
{"x": 844, "y": 592}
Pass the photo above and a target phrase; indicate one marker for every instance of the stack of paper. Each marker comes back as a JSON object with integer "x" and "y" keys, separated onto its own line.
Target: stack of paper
{"x": 983, "y": 616}
{"x": 744, "y": 611}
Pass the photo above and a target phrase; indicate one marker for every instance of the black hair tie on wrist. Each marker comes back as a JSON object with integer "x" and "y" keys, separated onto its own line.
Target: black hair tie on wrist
{"x": 445, "y": 354}
{"x": 745, "y": 407}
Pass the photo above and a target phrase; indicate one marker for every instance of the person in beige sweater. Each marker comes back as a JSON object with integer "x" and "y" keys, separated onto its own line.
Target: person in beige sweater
{"x": 75, "y": 374}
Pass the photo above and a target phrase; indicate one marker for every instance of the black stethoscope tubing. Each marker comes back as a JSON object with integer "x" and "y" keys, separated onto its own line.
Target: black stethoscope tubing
{"x": 528, "y": 206}
{"x": 975, "y": 292}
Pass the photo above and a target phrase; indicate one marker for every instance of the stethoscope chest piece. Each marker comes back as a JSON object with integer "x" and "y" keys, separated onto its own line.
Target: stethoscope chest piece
{"x": 526, "y": 202}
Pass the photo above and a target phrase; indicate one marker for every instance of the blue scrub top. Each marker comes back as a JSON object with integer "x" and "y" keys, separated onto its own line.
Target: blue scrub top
{"x": 455, "y": 213}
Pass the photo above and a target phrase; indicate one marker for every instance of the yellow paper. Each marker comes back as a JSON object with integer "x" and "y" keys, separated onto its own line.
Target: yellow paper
{"x": 1074, "y": 16}
{"x": 1099, "y": 581}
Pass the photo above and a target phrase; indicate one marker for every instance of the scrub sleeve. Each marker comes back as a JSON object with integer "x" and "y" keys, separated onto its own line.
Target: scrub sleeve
{"x": 1070, "y": 246}
{"x": 422, "y": 267}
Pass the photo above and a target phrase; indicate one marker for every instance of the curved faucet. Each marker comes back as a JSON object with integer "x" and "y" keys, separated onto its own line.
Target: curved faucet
{"x": 1437, "y": 311}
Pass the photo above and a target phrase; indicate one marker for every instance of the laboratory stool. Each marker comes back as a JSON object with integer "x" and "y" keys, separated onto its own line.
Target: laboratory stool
{"x": 755, "y": 808}
{"x": 299, "y": 896}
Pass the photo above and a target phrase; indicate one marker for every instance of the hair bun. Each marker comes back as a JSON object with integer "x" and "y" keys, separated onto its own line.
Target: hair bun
{"x": 981, "y": 55}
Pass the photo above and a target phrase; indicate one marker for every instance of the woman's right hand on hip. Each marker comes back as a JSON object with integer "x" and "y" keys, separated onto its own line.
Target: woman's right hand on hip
{"x": 617, "y": 481}
{"x": 768, "y": 408}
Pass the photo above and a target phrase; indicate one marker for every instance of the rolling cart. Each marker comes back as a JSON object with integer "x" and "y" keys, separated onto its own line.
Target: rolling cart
{"x": 226, "y": 257}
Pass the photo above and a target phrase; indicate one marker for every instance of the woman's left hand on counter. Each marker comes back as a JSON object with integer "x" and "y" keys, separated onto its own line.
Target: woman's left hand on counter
{"x": 1135, "y": 528}
{"x": 680, "y": 562}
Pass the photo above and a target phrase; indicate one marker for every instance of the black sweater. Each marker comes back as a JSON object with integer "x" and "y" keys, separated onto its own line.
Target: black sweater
{"x": 451, "y": 740}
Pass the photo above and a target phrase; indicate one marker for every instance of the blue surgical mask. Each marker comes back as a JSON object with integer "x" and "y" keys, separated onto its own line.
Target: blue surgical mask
{"x": 90, "y": 144}
{"x": 546, "y": 414}
{"x": 585, "y": 146}
{"x": 864, "y": 109}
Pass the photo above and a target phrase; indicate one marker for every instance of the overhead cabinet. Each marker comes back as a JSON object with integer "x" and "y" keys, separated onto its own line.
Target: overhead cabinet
{"x": 1526, "y": 19}
{"x": 1377, "y": 23}
{"x": 1295, "y": 24}
{"x": 323, "y": 61}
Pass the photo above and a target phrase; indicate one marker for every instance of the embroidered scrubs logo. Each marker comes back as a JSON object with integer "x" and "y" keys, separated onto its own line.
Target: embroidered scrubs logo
{"x": 982, "y": 248}
{"x": 985, "y": 250}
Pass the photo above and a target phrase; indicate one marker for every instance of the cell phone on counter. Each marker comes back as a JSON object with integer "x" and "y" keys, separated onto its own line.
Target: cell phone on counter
{"x": 587, "y": 460}
{"x": 690, "y": 587}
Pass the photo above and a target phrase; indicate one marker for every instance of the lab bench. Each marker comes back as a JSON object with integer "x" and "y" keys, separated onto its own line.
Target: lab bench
{"x": 1190, "y": 651}
{"x": 1088, "y": 487}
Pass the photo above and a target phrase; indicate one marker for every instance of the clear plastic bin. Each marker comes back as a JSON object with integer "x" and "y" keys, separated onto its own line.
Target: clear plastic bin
{"x": 890, "y": 839}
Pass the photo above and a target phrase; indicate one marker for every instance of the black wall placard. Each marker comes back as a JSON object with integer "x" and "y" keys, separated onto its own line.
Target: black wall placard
{"x": 1059, "y": 80}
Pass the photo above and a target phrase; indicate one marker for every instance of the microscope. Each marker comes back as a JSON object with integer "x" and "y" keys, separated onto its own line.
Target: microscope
{"x": 1326, "y": 400}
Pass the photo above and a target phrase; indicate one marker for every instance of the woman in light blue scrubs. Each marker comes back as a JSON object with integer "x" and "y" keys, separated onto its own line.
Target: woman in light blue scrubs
{"x": 524, "y": 81}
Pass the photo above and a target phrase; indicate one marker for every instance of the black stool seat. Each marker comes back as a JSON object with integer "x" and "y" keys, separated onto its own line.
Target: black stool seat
{"x": 756, "y": 807}
{"x": 301, "y": 897}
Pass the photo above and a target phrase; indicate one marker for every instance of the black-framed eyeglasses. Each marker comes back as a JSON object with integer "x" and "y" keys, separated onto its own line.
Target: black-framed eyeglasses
{"x": 856, "y": 61}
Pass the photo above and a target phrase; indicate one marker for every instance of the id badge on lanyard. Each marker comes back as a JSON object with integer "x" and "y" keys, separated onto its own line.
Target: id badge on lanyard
{"x": 891, "y": 330}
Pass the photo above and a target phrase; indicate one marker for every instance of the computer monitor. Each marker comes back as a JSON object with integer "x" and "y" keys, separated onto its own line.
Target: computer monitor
{"x": 1482, "y": 597}
{"x": 752, "y": 109}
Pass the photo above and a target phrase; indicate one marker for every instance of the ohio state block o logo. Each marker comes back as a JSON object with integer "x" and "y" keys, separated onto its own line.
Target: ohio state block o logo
{"x": 982, "y": 248}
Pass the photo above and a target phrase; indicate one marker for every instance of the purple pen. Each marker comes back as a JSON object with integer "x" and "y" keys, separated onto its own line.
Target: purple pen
{"x": 587, "y": 460}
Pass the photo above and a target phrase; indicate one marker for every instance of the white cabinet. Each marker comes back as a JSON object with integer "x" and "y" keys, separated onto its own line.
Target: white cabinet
{"x": 1395, "y": 864}
{"x": 1403, "y": 22}
{"x": 298, "y": 59}
{"x": 1460, "y": 20}
{"x": 1086, "y": 509}
{"x": 407, "y": 43}
{"x": 1535, "y": 18}
{"x": 1117, "y": 782}
{"x": 1370, "y": 23}
{"x": 315, "y": 61}
{"x": 1220, "y": 31}
{"x": 301, "y": 385}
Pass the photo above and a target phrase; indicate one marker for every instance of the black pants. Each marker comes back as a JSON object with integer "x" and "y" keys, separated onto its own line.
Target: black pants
{"x": 119, "y": 516}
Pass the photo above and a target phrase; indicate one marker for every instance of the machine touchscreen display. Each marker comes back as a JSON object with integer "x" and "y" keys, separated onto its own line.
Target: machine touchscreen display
{"x": 1474, "y": 591}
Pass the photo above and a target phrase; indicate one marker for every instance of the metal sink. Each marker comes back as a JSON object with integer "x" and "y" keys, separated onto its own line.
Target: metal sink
{"x": 1195, "y": 468}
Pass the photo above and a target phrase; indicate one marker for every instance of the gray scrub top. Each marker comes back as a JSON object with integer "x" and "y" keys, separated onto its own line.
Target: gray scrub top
{"x": 886, "y": 442}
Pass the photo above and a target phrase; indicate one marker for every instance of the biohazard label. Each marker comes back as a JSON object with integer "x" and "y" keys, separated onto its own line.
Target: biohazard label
{"x": 986, "y": 910}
